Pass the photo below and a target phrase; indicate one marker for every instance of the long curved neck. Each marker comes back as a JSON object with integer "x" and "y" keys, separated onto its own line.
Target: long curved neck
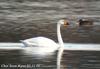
{"x": 60, "y": 51}
{"x": 59, "y": 35}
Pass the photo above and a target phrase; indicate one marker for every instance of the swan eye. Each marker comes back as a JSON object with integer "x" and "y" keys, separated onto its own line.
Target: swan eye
{"x": 66, "y": 23}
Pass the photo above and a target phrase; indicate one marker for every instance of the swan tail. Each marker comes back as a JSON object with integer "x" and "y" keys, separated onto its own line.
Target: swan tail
{"x": 25, "y": 44}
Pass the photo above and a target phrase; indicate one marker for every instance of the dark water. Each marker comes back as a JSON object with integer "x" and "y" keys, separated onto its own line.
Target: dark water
{"x": 21, "y": 19}
{"x": 17, "y": 59}
{"x": 33, "y": 60}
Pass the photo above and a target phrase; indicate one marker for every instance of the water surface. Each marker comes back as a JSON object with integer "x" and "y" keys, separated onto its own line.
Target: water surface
{"x": 71, "y": 60}
{"x": 22, "y": 19}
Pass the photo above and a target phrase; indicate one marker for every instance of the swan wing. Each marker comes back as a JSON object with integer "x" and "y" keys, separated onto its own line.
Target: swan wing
{"x": 40, "y": 41}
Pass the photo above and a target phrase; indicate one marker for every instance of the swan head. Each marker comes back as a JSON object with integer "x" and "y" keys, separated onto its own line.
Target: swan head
{"x": 63, "y": 22}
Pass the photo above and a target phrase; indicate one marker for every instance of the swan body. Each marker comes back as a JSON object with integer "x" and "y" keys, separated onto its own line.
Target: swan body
{"x": 40, "y": 42}
{"x": 48, "y": 43}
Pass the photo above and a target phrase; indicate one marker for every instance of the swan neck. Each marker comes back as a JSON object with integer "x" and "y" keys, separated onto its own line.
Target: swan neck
{"x": 59, "y": 35}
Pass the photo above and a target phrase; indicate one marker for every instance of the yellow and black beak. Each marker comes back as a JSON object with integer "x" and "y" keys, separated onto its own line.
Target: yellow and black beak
{"x": 66, "y": 23}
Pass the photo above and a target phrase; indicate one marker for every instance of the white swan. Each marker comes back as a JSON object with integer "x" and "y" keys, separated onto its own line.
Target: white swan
{"x": 48, "y": 43}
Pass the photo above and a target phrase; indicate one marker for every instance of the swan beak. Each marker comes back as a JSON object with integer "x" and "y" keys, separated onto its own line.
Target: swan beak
{"x": 66, "y": 23}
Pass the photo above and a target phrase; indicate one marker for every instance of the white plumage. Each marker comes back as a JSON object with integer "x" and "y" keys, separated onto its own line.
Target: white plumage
{"x": 46, "y": 42}
{"x": 41, "y": 42}
{"x": 47, "y": 45}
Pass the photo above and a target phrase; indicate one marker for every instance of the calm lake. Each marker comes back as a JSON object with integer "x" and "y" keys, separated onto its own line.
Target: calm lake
{"x": 22, "y": 19}
{"x": 30, "y": 59}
